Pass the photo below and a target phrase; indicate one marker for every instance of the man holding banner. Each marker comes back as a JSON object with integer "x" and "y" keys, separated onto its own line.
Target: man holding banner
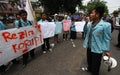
{"x": 66, "y": 27}
{"x": 22, "y": 23}
{"x": 42, "y": 22}
{"x": 58, "y": 28}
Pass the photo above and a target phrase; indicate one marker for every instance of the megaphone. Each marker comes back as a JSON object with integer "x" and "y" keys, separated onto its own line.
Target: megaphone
{"x": 110, "y": 62}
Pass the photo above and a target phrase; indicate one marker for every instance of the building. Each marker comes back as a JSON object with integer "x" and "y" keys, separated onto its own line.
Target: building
{"x": 7, "y": 11}
{"x": 7, "y": 8}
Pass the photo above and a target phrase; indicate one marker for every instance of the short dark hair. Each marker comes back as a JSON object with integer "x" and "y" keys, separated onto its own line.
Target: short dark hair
{"x": 100, "y": 10}
{"x": 115, "y": 12}
{"x": 43, "y": 13}
{"x": 22, "y": 11}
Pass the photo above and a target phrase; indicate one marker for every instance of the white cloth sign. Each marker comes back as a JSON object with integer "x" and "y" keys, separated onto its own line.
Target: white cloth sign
{"x": 15, "y": 42}
{"x": 48, "y": 29}
{"x": 30, "y": 12}
{"x": 79, "y": 26}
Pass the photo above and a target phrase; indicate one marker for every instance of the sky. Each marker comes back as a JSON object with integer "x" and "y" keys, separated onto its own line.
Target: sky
{"x": 112, "y": 4}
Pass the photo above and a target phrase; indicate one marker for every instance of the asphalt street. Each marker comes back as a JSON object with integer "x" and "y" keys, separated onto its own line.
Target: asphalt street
{"x": 64, "y": 60}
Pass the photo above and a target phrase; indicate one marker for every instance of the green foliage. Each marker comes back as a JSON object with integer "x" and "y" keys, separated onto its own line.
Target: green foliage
{"x": 93, "y": 4}
{"x": 54, "y": 6}
{"x": 115, "y": 11}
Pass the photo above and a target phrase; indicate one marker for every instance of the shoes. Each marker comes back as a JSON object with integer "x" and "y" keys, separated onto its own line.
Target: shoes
{"x": 74, "y": 45}
{"x": 52, "y": 45}
{"x": 84, "y": 69}
{"x": 71, "y": 39}
{"x": 44, "y": 52}
{"x": 50, "y": 50}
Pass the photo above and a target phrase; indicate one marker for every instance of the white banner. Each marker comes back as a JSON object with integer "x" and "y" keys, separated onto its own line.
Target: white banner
{"x": 48, "y": 29}
{"x": 15, "y": 42}
{"x": 30, "y": 12}
{"x": 79, "y": 26}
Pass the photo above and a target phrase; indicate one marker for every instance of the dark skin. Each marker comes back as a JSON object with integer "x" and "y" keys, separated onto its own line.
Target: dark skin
{"x": 24, "y": 16}
{"x": 95, "y": 17}
{"x": 18, "y": 17}
{"x": 44, "y": 17}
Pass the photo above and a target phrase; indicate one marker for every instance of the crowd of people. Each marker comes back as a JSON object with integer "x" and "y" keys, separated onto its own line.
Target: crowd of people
{"x": 96, "y": 35}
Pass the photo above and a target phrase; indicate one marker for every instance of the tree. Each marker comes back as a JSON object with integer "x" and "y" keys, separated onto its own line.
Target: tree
{"x": 54, "y": 6}
{"x": 94, "y": 3}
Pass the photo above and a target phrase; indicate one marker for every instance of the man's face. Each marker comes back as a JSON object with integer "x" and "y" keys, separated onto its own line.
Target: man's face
{"x": 93, "y": 15}
{"x": 44, "y": 16}
{"x": 24, "y": 16}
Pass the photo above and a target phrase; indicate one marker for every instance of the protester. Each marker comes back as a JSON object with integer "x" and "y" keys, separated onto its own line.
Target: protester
{"x": 65, "y": 33}
{"x": 2, "y": 67}
{"x": 69, "y": 17}
{"x": 107, "y": 18}
{"x": 17, "y": 19}
{"x": 116, "y": 26}
{"x": 87, "y": 20}
{"x": 97, "y": 40}
{"x": 73, "y": 33}
{"x": 56, "y": 19}
{"x": 22, "y": 23}
{"x": 46, "y": 44}
{"x": 15, "y": 61}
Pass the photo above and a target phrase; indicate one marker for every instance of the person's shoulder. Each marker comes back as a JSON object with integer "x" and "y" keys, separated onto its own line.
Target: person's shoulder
{"x": 16, "y": 22}
{"x": 106, "y": 23}
{"x": 1, "y": 22}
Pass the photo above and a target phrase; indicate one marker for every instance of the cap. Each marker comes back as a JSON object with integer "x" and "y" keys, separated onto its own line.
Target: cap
{"x": 55, "y": 14}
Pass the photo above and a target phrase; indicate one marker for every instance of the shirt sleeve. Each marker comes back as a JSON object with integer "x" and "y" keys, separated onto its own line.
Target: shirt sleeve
{"x": 107, "y": 36}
